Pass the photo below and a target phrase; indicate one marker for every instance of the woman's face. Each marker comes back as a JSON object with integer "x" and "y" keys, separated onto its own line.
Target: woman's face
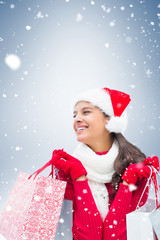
{"x": 89, "y": 123}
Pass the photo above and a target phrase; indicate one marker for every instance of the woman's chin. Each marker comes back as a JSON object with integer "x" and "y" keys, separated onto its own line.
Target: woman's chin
{"x": 81, "y": 139}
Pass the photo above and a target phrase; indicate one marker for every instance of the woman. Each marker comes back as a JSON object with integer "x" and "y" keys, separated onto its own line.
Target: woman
{"x": 106, "y": 174}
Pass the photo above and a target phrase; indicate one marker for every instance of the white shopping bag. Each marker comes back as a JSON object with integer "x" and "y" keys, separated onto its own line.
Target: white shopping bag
{"x": 155, "y": 216}
{"x": 139, "y": 226}
{"x": 155, "y": 220}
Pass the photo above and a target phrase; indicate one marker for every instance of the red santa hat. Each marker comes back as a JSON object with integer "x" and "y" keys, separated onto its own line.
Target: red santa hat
{"x": 112, "y": 102}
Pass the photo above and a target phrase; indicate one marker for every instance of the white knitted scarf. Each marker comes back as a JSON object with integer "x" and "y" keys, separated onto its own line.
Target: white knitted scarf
{"x": 100, "y": 169}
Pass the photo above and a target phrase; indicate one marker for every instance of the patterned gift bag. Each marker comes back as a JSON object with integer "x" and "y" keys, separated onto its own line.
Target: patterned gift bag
{"x": 33, "y": 209}
{"x": 2, "y": 238}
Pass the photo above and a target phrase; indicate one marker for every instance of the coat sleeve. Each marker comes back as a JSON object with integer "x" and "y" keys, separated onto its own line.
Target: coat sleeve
{"x": 124, "y": 203}
{"x": 115, "y": 221}
{"x": 87, "y": 222}
{"x": 142, "y": 192}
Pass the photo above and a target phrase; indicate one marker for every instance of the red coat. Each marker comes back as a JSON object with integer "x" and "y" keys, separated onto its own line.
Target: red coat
{"x": 87, "y": 222}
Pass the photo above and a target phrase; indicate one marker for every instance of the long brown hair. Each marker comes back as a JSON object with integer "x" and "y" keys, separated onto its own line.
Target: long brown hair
{"x": 128, "y": 154}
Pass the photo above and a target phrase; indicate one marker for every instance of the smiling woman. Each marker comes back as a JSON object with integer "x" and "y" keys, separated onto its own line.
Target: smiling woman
{"x": 98, "y": 174}
{"x": 103, "y": 167}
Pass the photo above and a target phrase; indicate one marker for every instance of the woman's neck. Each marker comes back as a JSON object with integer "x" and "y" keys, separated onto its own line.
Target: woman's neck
{"x": 102, "y": 145}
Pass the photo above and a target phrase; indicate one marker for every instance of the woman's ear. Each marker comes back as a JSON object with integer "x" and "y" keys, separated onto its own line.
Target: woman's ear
{"x": 107, "y": 119}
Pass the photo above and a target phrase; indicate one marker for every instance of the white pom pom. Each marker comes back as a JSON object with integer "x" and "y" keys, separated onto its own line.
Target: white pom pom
{"x": 117, "y": 124}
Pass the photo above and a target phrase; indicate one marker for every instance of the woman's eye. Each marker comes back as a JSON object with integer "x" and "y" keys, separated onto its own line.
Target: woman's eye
{"x": 85, "y": 112}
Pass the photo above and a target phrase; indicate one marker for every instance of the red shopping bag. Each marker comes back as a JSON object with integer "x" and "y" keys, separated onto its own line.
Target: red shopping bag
{"x": 33, "y": 209}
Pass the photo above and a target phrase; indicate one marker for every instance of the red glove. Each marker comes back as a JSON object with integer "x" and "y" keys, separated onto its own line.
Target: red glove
{"x": 136, "y": 172}
{"x": 69, "y": 165}
{"x": 154, "y": 161}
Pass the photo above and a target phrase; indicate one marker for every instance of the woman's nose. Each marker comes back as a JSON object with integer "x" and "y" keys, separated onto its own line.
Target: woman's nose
{"x": 78, "y": 118}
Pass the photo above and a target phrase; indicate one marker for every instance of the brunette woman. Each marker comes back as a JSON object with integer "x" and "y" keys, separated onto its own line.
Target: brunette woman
{"x": 106, "y": 174}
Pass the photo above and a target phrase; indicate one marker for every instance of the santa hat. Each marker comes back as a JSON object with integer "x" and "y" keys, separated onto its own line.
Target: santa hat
{"x": 112, "y": 102}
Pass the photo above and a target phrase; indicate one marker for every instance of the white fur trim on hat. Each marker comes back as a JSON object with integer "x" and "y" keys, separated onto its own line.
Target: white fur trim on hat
{"x": 97, "y": 97}
{"x": 117, "y": 124}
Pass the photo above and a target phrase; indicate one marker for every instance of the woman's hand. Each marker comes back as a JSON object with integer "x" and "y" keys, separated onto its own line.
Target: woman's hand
{"x": 154, "y": 161}
{"x": 69, "y": 165}
{"x": 138, "y": 171}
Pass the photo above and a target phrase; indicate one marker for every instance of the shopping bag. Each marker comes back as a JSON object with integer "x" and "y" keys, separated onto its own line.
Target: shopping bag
{"x": 64, "y": 229}
{"x": 2, "y": 238}
{"x": 155, "y": 220}
{"x": 33, "y": 209}
{"x": 155, "y": 215}
{"x": 139, "y": 226}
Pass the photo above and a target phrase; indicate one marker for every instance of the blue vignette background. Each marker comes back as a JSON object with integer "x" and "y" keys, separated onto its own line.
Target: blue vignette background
{"x": 63, "y": 48}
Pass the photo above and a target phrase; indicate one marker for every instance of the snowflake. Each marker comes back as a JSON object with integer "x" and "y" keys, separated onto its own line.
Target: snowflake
{"x": 61, "y": 220}
{"x": 112, "y": 24}
{"x": 115, "y": 222}
{"x": 92, "y": 3}
{"x": 107, "y": 45}
{"x": 18, "y": 148}
{"x": 28, "y": 27}
{"x": 79, "y": 17}
{"x": 39, "y": 15}
{"x": 13, "y": 61}
{"x": 84, "y": 190}
{"x": 12, "y": 6}
{"x": 122, "y": 8}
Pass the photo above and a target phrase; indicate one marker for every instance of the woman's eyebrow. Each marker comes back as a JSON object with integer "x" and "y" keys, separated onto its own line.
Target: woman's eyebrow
{"x": 87, "y": 107}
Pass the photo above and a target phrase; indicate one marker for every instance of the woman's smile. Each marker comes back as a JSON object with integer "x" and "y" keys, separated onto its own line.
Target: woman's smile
{"x": 80, "y": 128}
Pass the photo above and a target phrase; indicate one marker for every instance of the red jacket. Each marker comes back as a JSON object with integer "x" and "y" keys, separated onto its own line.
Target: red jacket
{"x": 87, "y": 222}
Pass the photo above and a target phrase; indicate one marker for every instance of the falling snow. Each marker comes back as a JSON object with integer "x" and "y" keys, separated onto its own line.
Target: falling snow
{"x": 18, "y": 148}
{"x": 84, "y": 191}
{"x": 132, "y": 187}
{"x": 107, "y": 45}
{"x": 39, "y": 15}
{"x": 92, "y": 3}
{"x": 112, "y": 23}
{"x": 12, "y": 6}
{"x": 28, "y": 27}
{"x": 79, "y": 17}
{"x": 61, "y": 220}
{"x": 50, "y": 51}
{"x": 13, "y": 61}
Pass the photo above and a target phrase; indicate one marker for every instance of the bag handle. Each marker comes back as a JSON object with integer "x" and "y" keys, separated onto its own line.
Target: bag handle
{"x": 53, "y": 172}
{"x": 157, "y": 187}
{"x": 154, "y": 180}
